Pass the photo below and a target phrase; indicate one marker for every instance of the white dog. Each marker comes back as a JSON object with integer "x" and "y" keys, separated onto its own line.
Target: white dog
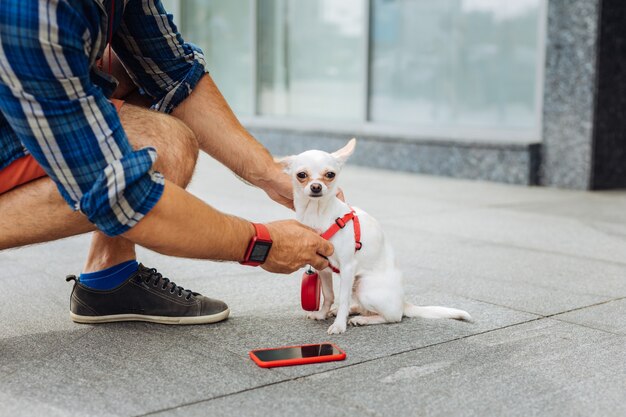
{"x": 369, "y": 275}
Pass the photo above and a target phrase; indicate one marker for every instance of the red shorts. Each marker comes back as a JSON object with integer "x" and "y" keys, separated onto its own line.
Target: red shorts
{"x": 26, "y": 169}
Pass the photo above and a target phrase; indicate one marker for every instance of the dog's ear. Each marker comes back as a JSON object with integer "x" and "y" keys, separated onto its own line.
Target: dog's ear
{"x": 344, "y": 153}
{"x": 285, "y": 161}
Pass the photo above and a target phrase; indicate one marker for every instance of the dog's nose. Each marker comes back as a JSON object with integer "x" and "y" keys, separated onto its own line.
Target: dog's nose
{"x": 316, "y": 188}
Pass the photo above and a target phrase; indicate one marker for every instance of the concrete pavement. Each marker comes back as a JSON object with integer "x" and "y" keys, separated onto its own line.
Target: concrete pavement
{"x": 542, "y": 271}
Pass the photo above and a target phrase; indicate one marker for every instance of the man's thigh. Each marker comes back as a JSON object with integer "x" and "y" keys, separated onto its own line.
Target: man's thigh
{"x": 175, "y": 143}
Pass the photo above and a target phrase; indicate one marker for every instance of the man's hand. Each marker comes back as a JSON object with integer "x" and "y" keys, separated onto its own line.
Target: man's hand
{"x": 277, "y": 185}
{"x": 294, "y": 246}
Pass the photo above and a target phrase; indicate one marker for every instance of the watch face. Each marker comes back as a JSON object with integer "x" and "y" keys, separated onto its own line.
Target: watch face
{"x": 260, "y": 251}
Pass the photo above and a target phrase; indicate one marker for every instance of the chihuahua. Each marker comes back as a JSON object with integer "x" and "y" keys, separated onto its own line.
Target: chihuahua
{"x": 369, "y": 277}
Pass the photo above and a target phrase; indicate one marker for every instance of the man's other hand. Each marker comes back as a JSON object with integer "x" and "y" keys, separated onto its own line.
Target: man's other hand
{"x": 294, "y": 246}
{"x": 280, "y": 189}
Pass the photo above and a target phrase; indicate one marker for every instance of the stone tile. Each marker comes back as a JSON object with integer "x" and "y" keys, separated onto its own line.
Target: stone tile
{"x": 275, "y": 326}
{"x": 17, "y": 406}
{"x": 539, "y": 368}
{"x": 544, "y": 368}
{"x": 289, "y": 399}
{"x": 468, "y": 258}
{"x": 34, "y": 304}
{"x": 130, "y": 369}
{"x": 597, "y": 208}
{"x": 609, "y": 316}
{"x": 11, "y": 267}
{"x": 20, "y": 352}
{"x": 526, "y": 230}
{"x": 515, "y": 295}
{"x": 527, "y": 280}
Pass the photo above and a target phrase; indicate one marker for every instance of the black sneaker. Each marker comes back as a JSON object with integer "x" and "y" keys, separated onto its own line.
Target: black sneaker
{"x": 145, "y": 296}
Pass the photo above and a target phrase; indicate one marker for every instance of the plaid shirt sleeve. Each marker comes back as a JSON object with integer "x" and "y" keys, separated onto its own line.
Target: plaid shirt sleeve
{"x": 64, "y": 120}
{"x": 155, "y": 55}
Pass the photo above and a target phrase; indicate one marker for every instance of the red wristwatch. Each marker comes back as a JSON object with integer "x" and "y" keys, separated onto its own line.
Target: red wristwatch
{"x": 259, "y": 246}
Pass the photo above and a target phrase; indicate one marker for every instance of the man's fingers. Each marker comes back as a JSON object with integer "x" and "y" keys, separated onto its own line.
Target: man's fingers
{"x": 325, "y": 248}
{"x": 320, "y": 263}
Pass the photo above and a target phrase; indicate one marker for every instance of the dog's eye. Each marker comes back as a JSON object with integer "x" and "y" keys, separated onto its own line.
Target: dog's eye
{"x": 330, "y": 175}
{"x": 301, "y": 175}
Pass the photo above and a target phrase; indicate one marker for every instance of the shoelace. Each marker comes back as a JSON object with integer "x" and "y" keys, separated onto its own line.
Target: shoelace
{"x": 156, "y": 277}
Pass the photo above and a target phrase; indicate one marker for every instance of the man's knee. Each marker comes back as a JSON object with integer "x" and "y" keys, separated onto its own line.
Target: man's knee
{"x": 177, "y": 159}
{"x": 176, "y": 144}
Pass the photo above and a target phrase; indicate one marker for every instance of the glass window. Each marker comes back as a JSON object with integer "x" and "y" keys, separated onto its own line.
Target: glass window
{"x": 223, "y": 29}
{"x": 455, "y": 63}
{"x": 311, "y": 58}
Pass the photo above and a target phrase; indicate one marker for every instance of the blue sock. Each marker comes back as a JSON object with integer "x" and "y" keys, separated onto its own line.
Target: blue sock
{"x": 109, "y": 278}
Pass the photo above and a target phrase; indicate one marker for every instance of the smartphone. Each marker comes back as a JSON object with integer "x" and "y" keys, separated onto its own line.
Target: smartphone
{"x": 297, "y": 355}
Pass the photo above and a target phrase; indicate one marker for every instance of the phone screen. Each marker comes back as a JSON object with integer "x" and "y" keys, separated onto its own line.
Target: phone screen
{"x": 297, "y": 352}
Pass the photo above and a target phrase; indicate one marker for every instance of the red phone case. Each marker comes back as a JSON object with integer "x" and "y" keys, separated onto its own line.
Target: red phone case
{"x": 310, "y": 291}
{"x": 299, "y": 361}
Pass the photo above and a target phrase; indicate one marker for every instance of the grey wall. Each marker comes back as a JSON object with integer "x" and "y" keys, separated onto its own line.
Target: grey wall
{"x": 609, "y": 138}
{"x": 569, "y": 91}
{"x": 584, "y": 128}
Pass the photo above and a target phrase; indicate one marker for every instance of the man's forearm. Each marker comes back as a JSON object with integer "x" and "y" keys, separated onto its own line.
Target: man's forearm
{"x": 222, "y": 136}
{"x": 182, "y": 225}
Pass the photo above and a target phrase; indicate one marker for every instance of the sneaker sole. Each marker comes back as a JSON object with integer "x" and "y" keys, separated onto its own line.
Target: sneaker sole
{"x": 213, "y": 318}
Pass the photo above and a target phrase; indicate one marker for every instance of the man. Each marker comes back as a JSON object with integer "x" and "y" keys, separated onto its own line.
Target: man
{"x": 72, "y": 161}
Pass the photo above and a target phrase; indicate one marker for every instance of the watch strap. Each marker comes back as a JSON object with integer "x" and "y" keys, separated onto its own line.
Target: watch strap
{"x": 261, "y": 232}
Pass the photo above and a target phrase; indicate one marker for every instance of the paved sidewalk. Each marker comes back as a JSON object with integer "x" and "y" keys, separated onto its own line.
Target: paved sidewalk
{"x": 542, "y": 271}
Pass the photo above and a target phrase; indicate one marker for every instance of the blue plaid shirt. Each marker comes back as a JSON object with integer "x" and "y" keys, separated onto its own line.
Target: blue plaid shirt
{"x": 53, "y": 98}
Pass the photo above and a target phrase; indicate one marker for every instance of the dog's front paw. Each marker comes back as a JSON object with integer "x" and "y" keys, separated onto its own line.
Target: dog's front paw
{"x": 316, "y": 315}
{"x": 332, "y": 312}
{"x": 337, "y": 328}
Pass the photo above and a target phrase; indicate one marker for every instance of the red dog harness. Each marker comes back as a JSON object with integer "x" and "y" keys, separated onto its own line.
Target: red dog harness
{"x": 339, "y": 224}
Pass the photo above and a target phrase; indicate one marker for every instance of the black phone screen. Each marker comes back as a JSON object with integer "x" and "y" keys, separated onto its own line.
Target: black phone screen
{"x": 297, "y": 352}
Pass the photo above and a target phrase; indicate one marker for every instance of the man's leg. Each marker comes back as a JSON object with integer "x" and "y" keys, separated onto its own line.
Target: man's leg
{"x": 178, "y": 151}
{"x": 36, "y": 212}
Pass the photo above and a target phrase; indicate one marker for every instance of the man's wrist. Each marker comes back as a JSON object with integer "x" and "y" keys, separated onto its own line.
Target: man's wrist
{"x": 266, "y": 174}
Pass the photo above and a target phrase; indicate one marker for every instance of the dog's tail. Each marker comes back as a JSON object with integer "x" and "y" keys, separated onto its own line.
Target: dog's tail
{"x": 435, "y": 312}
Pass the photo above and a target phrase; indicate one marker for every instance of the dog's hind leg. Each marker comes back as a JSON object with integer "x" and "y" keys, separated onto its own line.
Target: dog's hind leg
{"x": 367, "y": 320}
{"x": 385, "y": 303}
{"x": 329, "y": 296}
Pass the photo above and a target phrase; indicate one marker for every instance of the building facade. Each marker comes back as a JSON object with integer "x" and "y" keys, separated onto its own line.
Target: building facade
{"x": 521, "y": 91}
